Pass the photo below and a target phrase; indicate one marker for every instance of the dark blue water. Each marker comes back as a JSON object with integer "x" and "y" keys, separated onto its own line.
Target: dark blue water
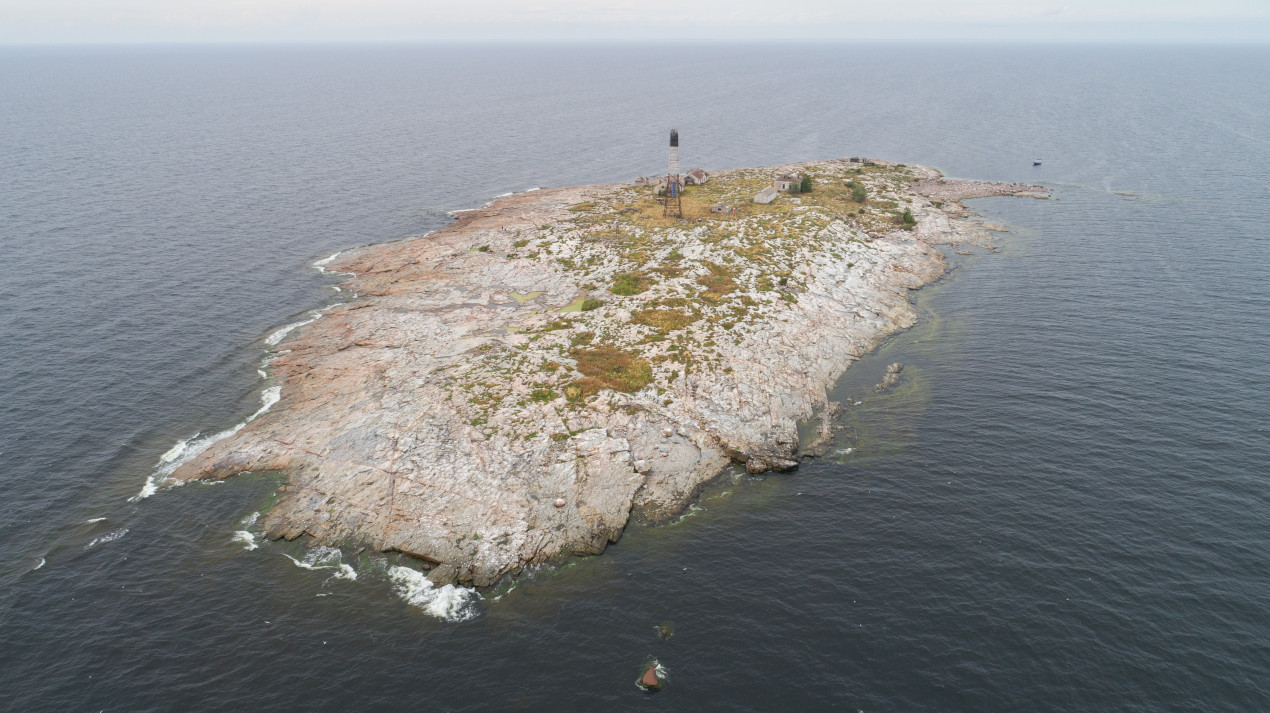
{"x": 1063, "y": 506}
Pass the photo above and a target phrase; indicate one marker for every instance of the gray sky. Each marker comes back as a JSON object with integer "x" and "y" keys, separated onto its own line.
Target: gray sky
{"x": 42, "y": 21}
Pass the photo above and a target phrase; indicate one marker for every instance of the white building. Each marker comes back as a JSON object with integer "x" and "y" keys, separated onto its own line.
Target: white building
{"x": 767, "y": 195}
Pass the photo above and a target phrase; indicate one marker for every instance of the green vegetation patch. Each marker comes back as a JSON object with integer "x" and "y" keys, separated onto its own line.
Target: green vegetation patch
{"x": 543, "y": 396}
{"x": 718, "y": 283}
{"x": 610, "y": 368}
{"x": 630, "y": 283}
{"x": 665, "y": 319}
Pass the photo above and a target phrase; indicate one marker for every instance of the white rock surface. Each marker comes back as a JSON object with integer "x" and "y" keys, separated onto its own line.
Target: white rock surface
{"x": 430, "y": 415}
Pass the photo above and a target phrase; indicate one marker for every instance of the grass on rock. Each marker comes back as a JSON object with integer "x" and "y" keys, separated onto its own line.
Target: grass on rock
{"x": 610, "y": 368}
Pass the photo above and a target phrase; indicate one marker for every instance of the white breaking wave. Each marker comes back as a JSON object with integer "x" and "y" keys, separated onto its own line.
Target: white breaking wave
{"x": 95, "y": 519}
{"x": 326, "y": 558}
{"x": 321, "y": 264}
{"x": 692, "y": 509}
{"x": 531, "y": 190}
{"x": 41, "y": 564}
{"x": 171, "y": 453}
{"x": 183, "y": 451}
{"x": 108, "y": 537}
{"x": 277, "y": 336}
{"x": 251, "y": 519}
{"x": 450, "y": 603}
{"x": 246, "y": 539}
{"x": 268, "y": 398}
{"x": 509, "y": 591}
{"x": 505, "y": 195}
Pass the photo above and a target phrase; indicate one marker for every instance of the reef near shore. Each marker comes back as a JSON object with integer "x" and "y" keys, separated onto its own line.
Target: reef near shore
{"x": 513, "y": 388}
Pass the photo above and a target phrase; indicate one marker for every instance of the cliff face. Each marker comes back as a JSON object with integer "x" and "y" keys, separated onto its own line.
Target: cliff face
{"x": 510, "y": 389}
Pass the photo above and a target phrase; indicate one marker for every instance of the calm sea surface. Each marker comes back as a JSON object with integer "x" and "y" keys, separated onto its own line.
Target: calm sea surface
{"x": 1062, "y": 507}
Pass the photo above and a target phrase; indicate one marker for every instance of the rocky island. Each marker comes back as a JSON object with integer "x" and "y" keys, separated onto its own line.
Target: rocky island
{"x": 514, "y": 388}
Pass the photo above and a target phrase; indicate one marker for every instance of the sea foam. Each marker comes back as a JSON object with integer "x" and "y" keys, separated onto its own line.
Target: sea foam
{"x": 108, "y": 537}
{"x": 273, "y": 339}
{"x": 246, "y": 539}
{"x": 450, "y": 603}
{"x": 326, "y": 558}
{"x": 184, "y": 450}
{"x": 321, "y": 264}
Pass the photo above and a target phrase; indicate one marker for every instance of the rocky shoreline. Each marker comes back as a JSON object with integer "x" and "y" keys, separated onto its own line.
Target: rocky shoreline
{"x": 511, "y": 389}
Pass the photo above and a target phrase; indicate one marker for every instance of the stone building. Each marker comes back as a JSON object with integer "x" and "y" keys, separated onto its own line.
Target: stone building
{"x": 788, "y": 184}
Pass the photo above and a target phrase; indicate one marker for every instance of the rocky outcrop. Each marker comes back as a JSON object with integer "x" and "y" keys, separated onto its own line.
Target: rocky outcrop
{"x": 511, "y": 389}
{"x": 891, "y": 376}
{"x": 653, "y": 677}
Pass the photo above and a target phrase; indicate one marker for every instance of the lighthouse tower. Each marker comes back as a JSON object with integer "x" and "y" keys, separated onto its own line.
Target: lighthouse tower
{"x": 674, "y": 187}
{"x": 673, "y": 170}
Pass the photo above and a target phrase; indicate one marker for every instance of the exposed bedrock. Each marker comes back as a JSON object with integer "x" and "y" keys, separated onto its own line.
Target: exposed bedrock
{"x": 452, "y": 411}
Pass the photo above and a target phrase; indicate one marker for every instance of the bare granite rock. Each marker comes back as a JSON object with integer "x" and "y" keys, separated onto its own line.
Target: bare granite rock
{"x": 469, "y": 407}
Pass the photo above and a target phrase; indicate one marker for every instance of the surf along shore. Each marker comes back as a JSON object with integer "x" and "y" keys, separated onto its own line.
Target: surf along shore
{"x": 514, "y": 388}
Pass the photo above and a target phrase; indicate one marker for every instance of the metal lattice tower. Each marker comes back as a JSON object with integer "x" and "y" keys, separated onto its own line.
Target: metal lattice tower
{"x": 674, "y": 187}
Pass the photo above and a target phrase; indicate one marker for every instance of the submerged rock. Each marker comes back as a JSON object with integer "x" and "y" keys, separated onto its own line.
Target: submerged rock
{"x": 891, "y": 376}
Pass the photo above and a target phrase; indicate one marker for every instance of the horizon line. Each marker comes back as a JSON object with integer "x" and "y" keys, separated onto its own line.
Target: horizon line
{"x": 1242, "y": 41}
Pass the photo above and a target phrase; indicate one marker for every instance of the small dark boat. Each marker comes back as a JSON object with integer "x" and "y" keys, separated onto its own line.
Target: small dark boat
{"x": 1037, "y": 162}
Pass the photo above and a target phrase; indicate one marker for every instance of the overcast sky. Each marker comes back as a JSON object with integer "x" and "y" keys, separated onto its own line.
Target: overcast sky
{"x": 43, "y": 21}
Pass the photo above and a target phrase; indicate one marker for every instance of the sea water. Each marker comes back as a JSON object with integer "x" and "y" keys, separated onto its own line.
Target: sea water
{"x": 1060, "y": 506}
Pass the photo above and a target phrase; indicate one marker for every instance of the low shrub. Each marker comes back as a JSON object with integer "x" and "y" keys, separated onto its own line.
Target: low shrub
{"x": 610, "y": 368}
{"x": 543, "y": 396}
{"x": 630, "y": 283}
{"x": 665, "y": 319}
{"x": 718, "y": 283}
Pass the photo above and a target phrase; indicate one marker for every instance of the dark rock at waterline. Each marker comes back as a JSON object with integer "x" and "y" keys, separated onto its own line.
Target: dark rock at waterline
{"x": 444, "y": 574}
{"x": 762, "y": 464}
{"x": 666, "y": 629}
